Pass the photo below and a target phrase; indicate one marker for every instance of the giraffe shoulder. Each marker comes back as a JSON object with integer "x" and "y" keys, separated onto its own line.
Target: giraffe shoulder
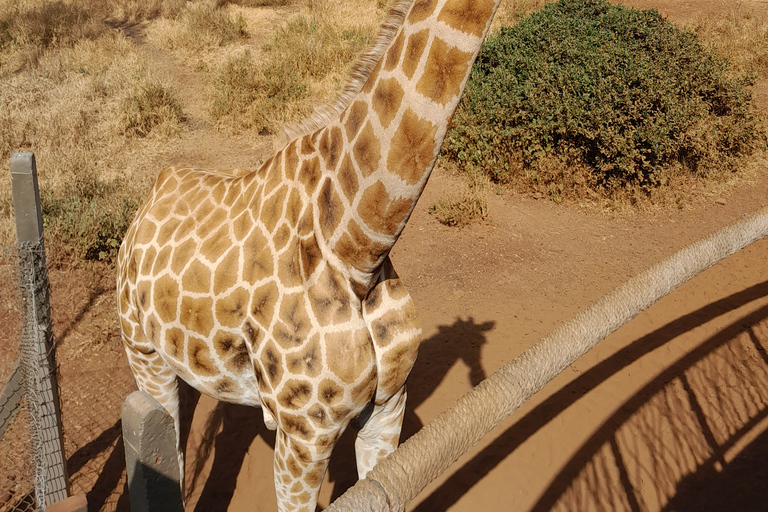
{"x": 390, "y": 315}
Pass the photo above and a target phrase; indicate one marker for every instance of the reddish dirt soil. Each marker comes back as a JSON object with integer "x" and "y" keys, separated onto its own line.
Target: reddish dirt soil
{"x": 668, "y": 413}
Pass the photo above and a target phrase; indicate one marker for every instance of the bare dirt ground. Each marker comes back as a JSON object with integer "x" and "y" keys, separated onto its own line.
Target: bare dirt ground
{"x": 669, "y": 413}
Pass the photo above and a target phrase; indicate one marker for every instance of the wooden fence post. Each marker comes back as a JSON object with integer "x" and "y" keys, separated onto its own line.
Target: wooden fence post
{"x": 37, "y": 354}
{"x": 151, "y": 460}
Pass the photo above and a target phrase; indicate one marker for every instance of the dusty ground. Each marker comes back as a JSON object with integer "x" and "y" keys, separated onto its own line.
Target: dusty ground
{"x": 669, "y": 413}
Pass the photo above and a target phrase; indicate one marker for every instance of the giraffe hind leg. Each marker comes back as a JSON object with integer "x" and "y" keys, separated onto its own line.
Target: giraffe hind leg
{"x": 380, "y": 433}
{"x": 155, "y": 377}
{"x": 390, "y": 314}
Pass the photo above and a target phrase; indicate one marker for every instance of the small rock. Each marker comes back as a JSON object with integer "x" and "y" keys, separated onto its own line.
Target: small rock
{"x": 720, "y": 201}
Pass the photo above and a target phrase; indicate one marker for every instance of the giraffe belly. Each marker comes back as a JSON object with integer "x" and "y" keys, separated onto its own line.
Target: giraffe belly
{"x": 240, "y": 389}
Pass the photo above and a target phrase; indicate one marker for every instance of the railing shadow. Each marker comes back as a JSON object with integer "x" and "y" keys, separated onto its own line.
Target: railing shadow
{"x": 659, "y": 399}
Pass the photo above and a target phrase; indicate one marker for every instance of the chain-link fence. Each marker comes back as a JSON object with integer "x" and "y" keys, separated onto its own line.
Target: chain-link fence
{"x": 17, "y": 478}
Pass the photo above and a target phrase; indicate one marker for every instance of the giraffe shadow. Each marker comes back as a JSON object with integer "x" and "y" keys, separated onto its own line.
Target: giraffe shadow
{"x": 461, "y": 341}
{"x": 227, "y": 434}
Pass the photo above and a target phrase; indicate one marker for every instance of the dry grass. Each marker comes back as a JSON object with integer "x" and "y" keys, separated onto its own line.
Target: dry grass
{"x": 510, "y": 11}
{"x": 200, "y": 26}
{"x": 741, "y": 37}
{"x": 75, "y": 107}
{"x": 302, "y": 66}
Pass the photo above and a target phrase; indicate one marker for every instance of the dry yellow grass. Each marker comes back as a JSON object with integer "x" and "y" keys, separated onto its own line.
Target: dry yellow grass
{"x": 68, "y": 106}
{"x": 300, "y": 66}
{"x": 741, "y": 37}
{"x": 469, "y": 205}
{"x": 81, "y": 95}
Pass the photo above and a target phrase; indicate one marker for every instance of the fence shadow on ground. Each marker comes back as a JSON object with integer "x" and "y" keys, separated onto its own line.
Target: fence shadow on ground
{"x": 668, "y": 446}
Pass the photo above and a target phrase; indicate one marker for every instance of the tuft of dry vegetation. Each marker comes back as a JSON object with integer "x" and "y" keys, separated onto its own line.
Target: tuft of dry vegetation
{"x": 151, "y": 107}
{"x": 740, "y": 37}
{"x": 301, "y": 66}
{"x": 201, "y": 26}
{"x": 469, "y": 205}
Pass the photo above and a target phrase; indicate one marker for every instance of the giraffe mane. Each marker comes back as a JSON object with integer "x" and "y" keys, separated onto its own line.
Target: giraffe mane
{"x": 361, "y": 70}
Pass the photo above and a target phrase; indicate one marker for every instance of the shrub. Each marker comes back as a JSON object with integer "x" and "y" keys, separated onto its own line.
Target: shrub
{"x": 89, "y": 216}
{"x": 620, "y": 91}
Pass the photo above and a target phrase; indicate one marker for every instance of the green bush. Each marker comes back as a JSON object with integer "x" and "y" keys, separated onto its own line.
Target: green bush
{"x": 620, "y": 91}
{"x": 89, "y": 216}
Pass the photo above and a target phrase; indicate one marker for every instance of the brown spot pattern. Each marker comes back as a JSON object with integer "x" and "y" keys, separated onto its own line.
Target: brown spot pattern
{"x": 355, "y": 117}
{"x": 382, "y": 213}
{"x": 330, "y": 303}
{"x": 421, "y": 10}
{"x": 348, "y": 178}
{"x": 307, "y": 361}
{"x": 444, "y": 72}
{"x": 469, "y": 16}
{"x": 295, "y": 394}
{"x": 257, "y": 258}
{"x": 272, "y": 209}
{"x": 263, "y": 301}
{"x": 309, "y": 174}
{"x": 393, "y": 54}
{"x": 354, "y": 247}
{"x": 197, "y": 314}
{"x": 367, "y": 151}
{"x": 200, "y": 361}
{"x": 386, "y": 100}
{"x": 166, "y": 298}
{"x": 231, "y": 310}
{"x": 311, "y": 256}
{"x": 348, "y": 354}
{"x": 330, "y": 208}
{"x": 295, "y": 325}
{"x": 413, "y": 51}
{"x": 298, "y": 426}
{"x": 413, "y": 148}
{"x": 331, "y": 145}
{"x": 226, "y": 274}
{"x": 215, "y": 246}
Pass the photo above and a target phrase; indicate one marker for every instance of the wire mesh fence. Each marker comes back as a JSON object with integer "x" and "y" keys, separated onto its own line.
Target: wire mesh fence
{"x": 17, "y": 477}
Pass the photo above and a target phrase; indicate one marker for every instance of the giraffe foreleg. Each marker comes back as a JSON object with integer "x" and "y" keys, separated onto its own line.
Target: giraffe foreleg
{"x": 299, "y": 470}
{"x": 380, "y": 433}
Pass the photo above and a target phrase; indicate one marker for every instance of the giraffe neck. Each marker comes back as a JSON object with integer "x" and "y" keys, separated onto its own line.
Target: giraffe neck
{"x": 375, "y": 157}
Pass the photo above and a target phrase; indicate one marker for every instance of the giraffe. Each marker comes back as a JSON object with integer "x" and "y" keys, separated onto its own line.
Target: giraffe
{"x": 274, "y": 288}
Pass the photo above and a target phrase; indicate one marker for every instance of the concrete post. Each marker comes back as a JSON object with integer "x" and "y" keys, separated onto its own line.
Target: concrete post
{"x": 150, "y": 456}
{"x": 38, "y": 359}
